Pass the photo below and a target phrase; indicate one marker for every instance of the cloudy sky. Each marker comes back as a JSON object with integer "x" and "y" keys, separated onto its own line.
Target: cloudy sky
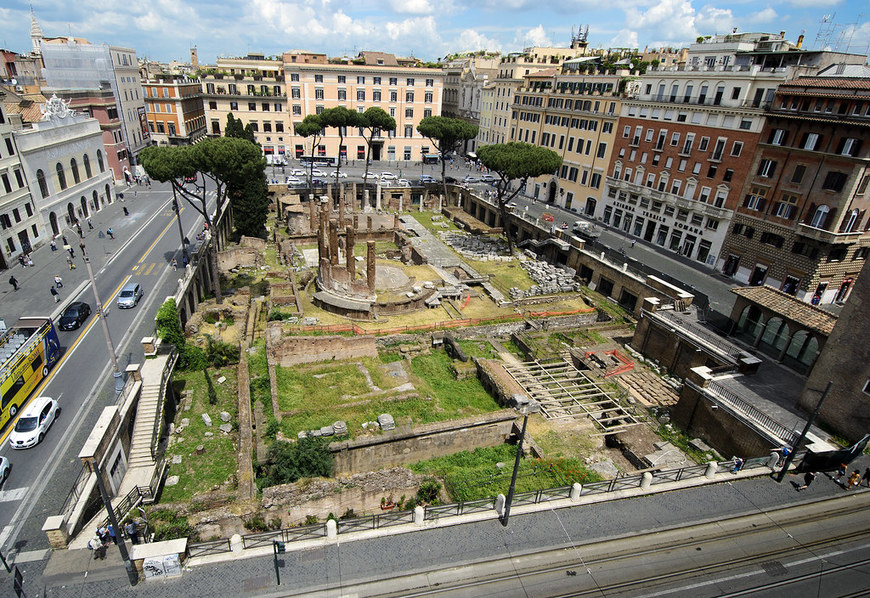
{"x": 165, "y": 29}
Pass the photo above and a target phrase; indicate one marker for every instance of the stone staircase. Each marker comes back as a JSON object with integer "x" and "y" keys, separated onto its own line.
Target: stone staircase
{"x": 143, "y": 429}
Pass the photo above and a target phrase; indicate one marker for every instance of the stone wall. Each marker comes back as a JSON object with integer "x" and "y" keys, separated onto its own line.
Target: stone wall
{"x": 294, "y": 350}
{"x": 253, "y": 243}
{"x": 659, "y": 344}
{"x": 363, "y": 492}
{"x": 239, "y": 257}
{"x": 390, "y": 449}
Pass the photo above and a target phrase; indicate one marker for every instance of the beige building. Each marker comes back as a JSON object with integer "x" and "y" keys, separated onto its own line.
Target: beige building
{"x": 174, "y": 109}
{"x": 465, "y": 78}
{"x": 273, "y": 94}
{"x": 574, "y": 115}
{"x": 511, "y": 73}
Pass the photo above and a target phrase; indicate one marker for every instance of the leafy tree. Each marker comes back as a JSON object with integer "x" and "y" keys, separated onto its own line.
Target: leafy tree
{"x": 237, "y": 170}
{"x": 311, "y": 126}
{"x": 340, "y": 118}
{"x": 516, "y": 161}
{"x": 291, "y": 461}
{"x": 168, "y": 326}
{"x": 447, "y": 134}
{"x": 235, "y": 128}
{"x": 375, "y": 121}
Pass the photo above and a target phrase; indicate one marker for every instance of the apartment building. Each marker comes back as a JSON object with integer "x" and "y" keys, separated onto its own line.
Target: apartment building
{"x": 465, "y": 78}
{"x": 575, "y": 115}
{"x": 802, "y": 223}
{"x": 174, "y": 109}
{"x": 274, "y": 94}
{"x": 20, "y": 226}
{"x": 512, "y": 71}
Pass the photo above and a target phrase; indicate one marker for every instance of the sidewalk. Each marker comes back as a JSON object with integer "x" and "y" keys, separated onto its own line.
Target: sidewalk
{"x": 33, "y": 297}
{"x": 341, "y": 562}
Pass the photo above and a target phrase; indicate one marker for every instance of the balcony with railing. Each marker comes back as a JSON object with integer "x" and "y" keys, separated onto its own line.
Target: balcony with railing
{"x": 825, "y": 236}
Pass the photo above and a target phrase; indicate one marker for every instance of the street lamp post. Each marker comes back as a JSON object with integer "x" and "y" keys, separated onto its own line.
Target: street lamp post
{"x": 526, "y": 407}
{"x": 132, "y": 574}
{"x": 119, "y": 377}
{"x": 177, "y": 209}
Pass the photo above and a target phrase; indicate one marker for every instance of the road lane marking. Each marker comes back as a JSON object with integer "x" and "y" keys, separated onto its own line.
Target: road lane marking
{"x": 156, "y": 240}
{"x": 14, "y": 494}
{"x": 148, "y": 271}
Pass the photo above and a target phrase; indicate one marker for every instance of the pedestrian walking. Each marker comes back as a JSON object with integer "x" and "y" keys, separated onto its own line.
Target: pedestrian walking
{"x": 126, "y": 212}
{"x": 738, "y": 464}
{"x": 110, "y": 232}
{"x": 633, "y": 242}
{"x": 55, "y": 294}
{"x": 90, "y": 224}
{"x": 784, "y": 452}
{"x": 14, "y": 282}
{"x": 808, "y": 479}
{"x": 96, "y": 544}
{"x": 29, "y": 260}
{"x": 132, "y": 531}
{"x": 866, "y": 477}
{"x": 841, "y": 471}
{"x": 22, "y": 261}
{"x": 111, "y": 531}
{"x": 72, "y": 252}
{"x": 70, "y": 263}
{"x": 79, "y": 229}
{"x": 174, "y": 264}
{"x": 854, "y": 479}
{"x": 58, "y": 281}
{"x": 53, "y": 245}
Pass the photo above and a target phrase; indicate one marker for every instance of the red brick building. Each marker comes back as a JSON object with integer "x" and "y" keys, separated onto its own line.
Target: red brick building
{"x": 802, "y": 223}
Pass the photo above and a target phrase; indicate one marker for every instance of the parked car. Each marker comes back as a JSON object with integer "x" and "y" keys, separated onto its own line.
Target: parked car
{"x": 403, "y": 183}
{"x": 298, "y": 172}
{"x": 5, "y": 468}
{"x": 341, "y": 175}
{"x": 74, "y": 315}
{"x": 487, "y": 178}
{"x": 388, "y": 176}
{"x": 426, "y": 178}
{"x": 450, "y": 180}
{"x": 295, "y": 180}
{"x": 547, "y": 217}
{"x": 470, "y": 179}
{"x": 34, "y": 422}
{"x": 130, "y": 295}
{"x": 318, "y": 173}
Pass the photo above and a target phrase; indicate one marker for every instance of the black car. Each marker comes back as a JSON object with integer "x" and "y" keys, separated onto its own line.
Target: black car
{"x": 74, "y": 315}
{"x": 450, "y": 180}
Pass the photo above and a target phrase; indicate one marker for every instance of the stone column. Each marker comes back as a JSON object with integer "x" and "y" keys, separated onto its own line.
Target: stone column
{"x": 365, "y": 200}
{"x": 395, "y": 221}
{"x": 312, "y": 215}
{"x": 400, "y": 202}
{"x": 333, "y": 242}
{"x": 370, "y": 264}
{"x": 341, "y": 210}
{"x": 440, "y": 202}
{"x": 370, "y": 223}
{"x": 349, "y": 242}
{"x": 325, "y": 273}
{"x": 378, "y": 192}
{"x": 355, "y": 221}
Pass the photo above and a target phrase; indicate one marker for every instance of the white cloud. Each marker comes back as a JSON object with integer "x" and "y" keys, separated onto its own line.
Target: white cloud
{"x": 814, "y": 3}
{"x": 714, "y": 20}
{"x": 417, "y": 30}
{"x": 414, "y": 7}
{"x": 676, "y": 18}
{"x": 534, "y": 37}
{"x": 767, "y": 15}
{"x": 470, "y": 40}
{"x": 626, "y": 38}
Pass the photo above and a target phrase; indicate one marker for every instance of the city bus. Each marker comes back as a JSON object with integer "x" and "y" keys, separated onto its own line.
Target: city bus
{"x": 28, "y": 351}
{"x": 318, "y": 160}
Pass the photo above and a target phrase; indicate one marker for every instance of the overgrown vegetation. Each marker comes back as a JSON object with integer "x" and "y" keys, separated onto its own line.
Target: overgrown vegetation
{"x": 166, "y": 524}
{"x": 291, "y": 461}
{"x": 472, "y": 475}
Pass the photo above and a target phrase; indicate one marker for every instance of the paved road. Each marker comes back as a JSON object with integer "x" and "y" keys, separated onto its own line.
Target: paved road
{"x": 333, "y": 568}
{"x": 145, "y": 242}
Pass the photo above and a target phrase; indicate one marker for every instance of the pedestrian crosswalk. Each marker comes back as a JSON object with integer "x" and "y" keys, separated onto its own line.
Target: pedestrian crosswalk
{"x": 150, "y": 268}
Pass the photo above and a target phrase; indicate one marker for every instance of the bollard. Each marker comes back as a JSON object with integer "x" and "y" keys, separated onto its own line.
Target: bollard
{"x": 499, "y": 504}
{"x": 332, "y": 529}
{"x": 646, "y": 480}
{"x": 419, "y": 516}
{"x": 236, "y": 544}
{"x": 711, "y": 470}
{"x": 576, "y": 489}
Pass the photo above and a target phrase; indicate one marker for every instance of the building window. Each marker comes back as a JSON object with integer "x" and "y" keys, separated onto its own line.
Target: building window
{"x": 318, "y": 94}
{"x": 295, "y": 93}
{"x": 342, "y": 95}
{"x": 376, "y": 80}
{"x": 360, "y": 80}
{"x": 820, "y": 216}
{"x": 410, "y": 82}
{"x": 409, "y": 96}
{"x": 766, "y": 168}
{"x": 755, "y": 199}
{"x": 43, "y": 186}
{"x": 234, "y": 106}
{"x": 297, "y": 110}
{"x": 849, "y": 147}
{"x": 394, "y": 96}
{"x": 394, "y": 81}
{"x": 786, "y": 206}
{"x": 252, "y": 106}
{"x": 318, "y": 78}
{"x": 834, "y": 181}
{"x": 798, "y": 174}
{"x": 409, "y": 130}
{"x": 294, "y": 76}
{"x": 342, "y": 79}
{"x": 61, "y": 177}
{"x": 73, "y": 165}
{"x": 409, "y": 113}
{"x": 360, "y": 95}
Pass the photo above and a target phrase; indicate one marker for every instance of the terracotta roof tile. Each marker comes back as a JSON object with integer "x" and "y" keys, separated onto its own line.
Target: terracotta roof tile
{"x": 789, "y": 307}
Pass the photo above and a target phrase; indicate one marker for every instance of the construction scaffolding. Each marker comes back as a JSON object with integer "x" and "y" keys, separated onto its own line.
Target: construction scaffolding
{"x": 566, "y": 392}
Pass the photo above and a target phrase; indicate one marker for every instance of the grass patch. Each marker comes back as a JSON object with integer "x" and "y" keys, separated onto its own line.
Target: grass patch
{"x": 217, "y": 464}
{"x": 481, "y": 349}
{"x": 321, "y": 394}
{"x": 426, "y": 219}
{"x": 258, "y": 373}
{"x": 472, "y": 475}
{"x": 676, "y": 437}
{"x": 504, "y": 274}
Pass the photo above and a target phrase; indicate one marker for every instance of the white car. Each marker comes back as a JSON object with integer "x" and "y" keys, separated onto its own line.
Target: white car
{"x": 487, "y": 178}
{"x": 318, "y": 173}
{"x": 34, "y": 422}
{"x": 294, "y": 180}
{"x": 5, "y": 468}
{"x": 388, "y": 176}
{"x": 341, "y": 175}
{"x": 298, "y": 172}
{"x": 403, "y": 183}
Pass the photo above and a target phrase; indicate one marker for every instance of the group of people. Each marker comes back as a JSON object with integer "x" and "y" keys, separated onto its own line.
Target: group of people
{"x": 105, "y": 536}
{"x": 854, "y": 479}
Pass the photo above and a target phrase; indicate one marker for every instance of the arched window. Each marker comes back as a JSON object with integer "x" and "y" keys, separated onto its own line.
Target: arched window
{"x": 73, "y": 165}
{"x": 820, "y": 216}
{"x": 61, "y": 177}
{"x": 100, "y": 160}
{"x": 108, "y": 192}
{"x": 87, "y": 163}
{"x": 43, "y": 186}
{"x": 96, "y": 204}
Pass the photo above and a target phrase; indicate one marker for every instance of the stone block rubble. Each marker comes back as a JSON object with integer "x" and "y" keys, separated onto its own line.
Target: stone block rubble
{"x": 550, "y": 280}
{"x": 478, "y": 248}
